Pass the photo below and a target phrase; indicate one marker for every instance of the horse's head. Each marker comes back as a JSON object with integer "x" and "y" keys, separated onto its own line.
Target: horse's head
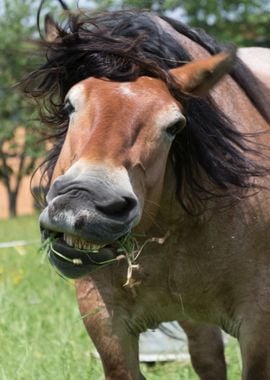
{"x": 110, "y": 172}
{"x": 114, "y": 157}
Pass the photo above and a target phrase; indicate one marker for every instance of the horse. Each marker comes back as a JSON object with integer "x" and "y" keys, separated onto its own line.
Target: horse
{"x": 158, "y": 199}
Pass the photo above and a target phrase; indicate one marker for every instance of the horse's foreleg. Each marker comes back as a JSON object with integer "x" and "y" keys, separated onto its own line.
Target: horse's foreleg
{"x": 255, "y": 348}
{"x": 206, "y": 350}
{"x": 118, "y": 349}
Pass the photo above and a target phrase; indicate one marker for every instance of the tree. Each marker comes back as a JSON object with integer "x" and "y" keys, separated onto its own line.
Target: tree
{"x": 18, "y": 140}
{"x": 245, "y": 23}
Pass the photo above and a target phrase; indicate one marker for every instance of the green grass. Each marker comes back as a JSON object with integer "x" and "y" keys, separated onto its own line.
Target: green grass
{"x": 41, "y": 333}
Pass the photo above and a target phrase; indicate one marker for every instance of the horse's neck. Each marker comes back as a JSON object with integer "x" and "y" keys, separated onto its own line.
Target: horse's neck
{"x": 235, "y": 104}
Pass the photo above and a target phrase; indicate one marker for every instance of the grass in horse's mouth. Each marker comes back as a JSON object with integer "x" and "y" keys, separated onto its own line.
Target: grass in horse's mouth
{"x": 125, "y": 243}
{"x": 73, "y": 249}
{"x": 73, "y": 257}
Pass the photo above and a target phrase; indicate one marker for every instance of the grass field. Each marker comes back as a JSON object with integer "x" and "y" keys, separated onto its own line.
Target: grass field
{"x": 41, "y": 333}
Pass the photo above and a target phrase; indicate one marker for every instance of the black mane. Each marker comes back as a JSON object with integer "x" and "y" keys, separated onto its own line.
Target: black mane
{"x": 125, "y": 45}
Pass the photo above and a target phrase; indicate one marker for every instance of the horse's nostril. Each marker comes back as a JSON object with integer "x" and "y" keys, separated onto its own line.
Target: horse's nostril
{"x": 131, "y": 203}
{"x": 117, "y": 207}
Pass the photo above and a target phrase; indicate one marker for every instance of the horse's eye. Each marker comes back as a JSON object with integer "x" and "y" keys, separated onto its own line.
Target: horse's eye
{"x": 176, "y": 128}
{"x": 68, "y": 108}
{"x": 172, "y": 130}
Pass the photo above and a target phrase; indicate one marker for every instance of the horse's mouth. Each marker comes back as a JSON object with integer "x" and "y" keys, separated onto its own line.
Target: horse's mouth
{"x": 74, "y": 257}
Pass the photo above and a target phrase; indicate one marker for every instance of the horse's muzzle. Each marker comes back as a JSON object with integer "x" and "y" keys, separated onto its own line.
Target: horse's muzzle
{"x": 83, "y": 219}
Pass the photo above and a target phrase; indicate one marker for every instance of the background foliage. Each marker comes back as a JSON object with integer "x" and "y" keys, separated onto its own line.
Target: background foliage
{"x": 243, "y": 22}
{"x": 17, "y": 115}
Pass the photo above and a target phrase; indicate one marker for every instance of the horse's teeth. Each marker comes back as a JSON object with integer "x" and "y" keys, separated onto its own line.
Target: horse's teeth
{"x": 68, "y": 239}
{"x": 81, "y": 244}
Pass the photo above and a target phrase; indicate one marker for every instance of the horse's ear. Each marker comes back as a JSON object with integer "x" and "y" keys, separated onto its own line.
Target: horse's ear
{"x": 198, "y": 77}
{"x": 51, "y": 28}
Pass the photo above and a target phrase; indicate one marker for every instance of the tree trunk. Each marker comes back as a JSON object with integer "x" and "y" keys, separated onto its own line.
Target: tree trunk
{"x": 12, "y": 204}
